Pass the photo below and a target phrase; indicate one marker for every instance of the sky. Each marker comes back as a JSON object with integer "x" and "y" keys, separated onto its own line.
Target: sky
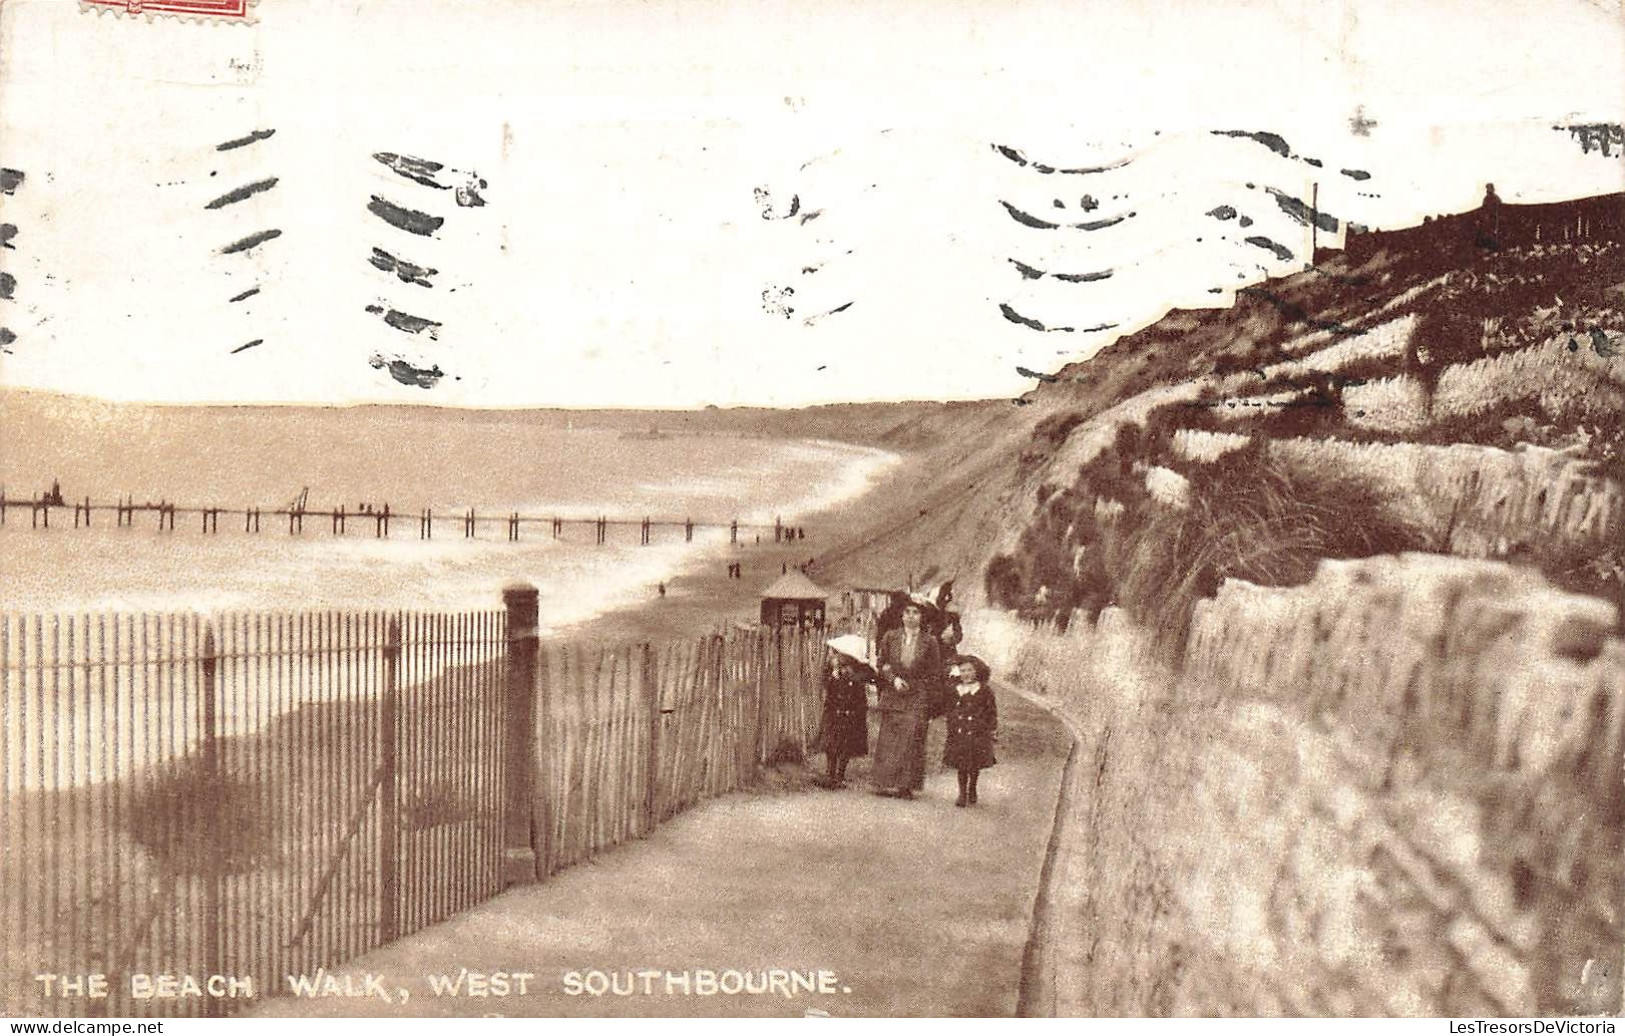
{"x": 679, "y": 198}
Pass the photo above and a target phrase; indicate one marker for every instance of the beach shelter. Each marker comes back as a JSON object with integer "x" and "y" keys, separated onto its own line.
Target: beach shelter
{"x": 793, "y": 600}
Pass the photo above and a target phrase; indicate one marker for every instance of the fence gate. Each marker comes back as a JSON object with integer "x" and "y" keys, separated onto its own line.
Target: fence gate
{"x": 197, "y": 810}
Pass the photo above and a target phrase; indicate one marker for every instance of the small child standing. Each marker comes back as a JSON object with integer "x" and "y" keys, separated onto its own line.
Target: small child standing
{"x": 847, "y": 683}
{"x": 973, "y": 717}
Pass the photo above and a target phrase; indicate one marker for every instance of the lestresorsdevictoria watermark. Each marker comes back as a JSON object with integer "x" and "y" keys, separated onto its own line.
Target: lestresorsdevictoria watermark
{"x": 789, "y": 983}
{"x": 1535, "y": 1027}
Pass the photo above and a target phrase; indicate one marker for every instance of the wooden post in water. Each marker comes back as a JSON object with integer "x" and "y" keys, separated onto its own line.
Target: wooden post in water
{"x": 688, "y": 531}
{"x": 389, "y": 816}
{"x": 87, "y": 512}
{"x": 733, "y": 531}
{"x": 519, "y": 737}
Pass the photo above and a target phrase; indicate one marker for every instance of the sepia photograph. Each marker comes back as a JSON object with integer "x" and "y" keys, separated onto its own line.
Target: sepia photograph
{"x": 753, "y": 508}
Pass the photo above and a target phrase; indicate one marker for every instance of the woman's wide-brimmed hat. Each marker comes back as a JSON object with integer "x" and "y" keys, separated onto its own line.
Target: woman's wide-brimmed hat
{"x": 852, "y": 646}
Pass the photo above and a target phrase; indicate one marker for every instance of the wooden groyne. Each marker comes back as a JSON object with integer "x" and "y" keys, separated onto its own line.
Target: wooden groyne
{"x": 379, "y": 520}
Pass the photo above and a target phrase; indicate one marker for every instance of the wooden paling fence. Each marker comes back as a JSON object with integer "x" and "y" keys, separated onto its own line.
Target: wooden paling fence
{"x": 248, "y": 796}
{"x": 631, "y": 736}
{"x": 258, "y": 796}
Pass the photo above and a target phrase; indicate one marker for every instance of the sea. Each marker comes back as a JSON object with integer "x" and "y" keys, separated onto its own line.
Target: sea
{"x": 412, "y": 460}
{"x": 496, "y": 467}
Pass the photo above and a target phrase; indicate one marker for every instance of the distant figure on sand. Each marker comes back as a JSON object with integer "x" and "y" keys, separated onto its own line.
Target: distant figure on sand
{"x": 910, "y": 662}
{"x": 973, "y": 718}
{"x": 848, "y": 679}
{"x": 1489, "y": 219}
{"x": 662, "y": 589}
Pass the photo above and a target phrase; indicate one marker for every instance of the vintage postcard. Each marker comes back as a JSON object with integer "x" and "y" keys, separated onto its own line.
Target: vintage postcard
{"x": 601, "y": 508}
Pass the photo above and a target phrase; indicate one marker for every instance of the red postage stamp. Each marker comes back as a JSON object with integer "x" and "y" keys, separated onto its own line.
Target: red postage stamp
{"x": 233, "y": 9}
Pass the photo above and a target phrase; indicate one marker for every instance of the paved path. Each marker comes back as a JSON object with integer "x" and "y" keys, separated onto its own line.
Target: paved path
{"x": 918, "y": 908}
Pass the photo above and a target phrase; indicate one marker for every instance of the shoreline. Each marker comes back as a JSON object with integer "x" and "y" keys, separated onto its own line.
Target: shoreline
{"x": 802, "y": 481}
{"x": 701, "y": 598}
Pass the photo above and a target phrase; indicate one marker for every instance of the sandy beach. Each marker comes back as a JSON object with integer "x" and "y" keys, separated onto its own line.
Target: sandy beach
{"x": 700, "y": 597}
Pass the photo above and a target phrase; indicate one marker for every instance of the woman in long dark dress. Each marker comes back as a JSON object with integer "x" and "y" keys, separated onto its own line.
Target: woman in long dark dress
{"x": 973, "y": 718}
{"x": 944, "y": 627}
{"x": 847, "y": 682}
{"x": 910, "y": 662}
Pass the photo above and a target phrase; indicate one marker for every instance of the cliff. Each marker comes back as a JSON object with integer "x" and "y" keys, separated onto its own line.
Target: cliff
{"x": 1328, "y": 587}
{"x": 1469, "y": 398}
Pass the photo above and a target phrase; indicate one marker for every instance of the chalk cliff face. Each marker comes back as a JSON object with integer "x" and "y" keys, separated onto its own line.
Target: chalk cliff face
{"x": 1329, "y": 584}
{"x": 1393, "y": 790}
{"x": 1468, "y": 392}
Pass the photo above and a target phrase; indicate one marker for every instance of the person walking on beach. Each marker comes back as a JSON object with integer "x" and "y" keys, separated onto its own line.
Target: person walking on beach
{"x": 909, "y": 661}
{"x": 973, "y": 718}
{"x": 848, "y": 679}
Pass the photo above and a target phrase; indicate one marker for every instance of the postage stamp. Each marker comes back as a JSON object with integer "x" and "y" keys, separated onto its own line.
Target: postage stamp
{"x": 233, "y": 10}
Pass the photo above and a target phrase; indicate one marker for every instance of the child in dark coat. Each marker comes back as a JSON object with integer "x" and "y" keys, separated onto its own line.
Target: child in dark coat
{"x": 847, "y": 683}
{"x": 973, "y": 717}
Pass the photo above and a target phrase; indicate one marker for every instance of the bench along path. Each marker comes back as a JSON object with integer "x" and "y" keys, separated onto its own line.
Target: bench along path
{"x": 918, "y": 908}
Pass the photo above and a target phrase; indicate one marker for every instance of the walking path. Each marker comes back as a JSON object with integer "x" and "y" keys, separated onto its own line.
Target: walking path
{"x": 917, "y": 908}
